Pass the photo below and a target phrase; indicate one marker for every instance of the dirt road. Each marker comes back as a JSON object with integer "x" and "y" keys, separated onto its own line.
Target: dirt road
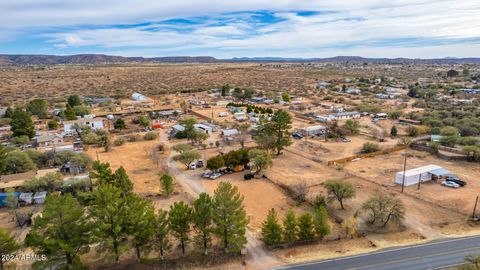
{"x": 258, "y": 257}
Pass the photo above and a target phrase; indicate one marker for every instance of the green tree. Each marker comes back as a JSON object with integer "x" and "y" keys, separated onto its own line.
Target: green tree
{"x": 61, "y": 232}
{"x": 140, "y": 225}
{"x": 122, "y": 181}
{"x": 452, "y": 73}
{"x": 197, "y": 136}
{"x": 70, "y": 113}
{"x": 161, "y": 242}
{"x": 9, "y": 112}
{"x": 53, "y": 124}
{"x": 3, "y": 159}
{"x": 322, "y": 226}
{"x": 180, "y": 217}
{"x": 19, "y": 162}
{"x": 81, "y": 110}
{"x": 215, "y": 163}
{"x": 393, "y": 131}
{"x": 182, "y": 147}
{"x": 187, "y": 157}
{"x": 167, "y": 184}
{"x": 286, "y": 97}
{"x": 395, "y": 115}
{"x": 119, "y": 124}
{"x": 472, "y": 263}
{"x": 74, "y": 101}
{"x": 370, "y": 148}
{"x": 225, "y": 90}
{"x": 261, "y": 159}
{"x": 229, "y": 217}
{"x": 271, "y": 229}
{"x": 351, "y": 127}
{"x": 203, "y": 220}
{"x": 340, "y": 190}
{"x": 101, "y": 172}
{"x": 275, "y": 134}
{"x": 38, "y": 107}
{"x": 21, "y": 140}
{"x": 306, "y": 227}
{"x": 8, "y": 245}
{"x": 290, "y": 229}
{"x": 22, "y": 124}
{"x": 109, "y": 212}
{"x": 384, "y": 209}
{"x": 143, "y": 121}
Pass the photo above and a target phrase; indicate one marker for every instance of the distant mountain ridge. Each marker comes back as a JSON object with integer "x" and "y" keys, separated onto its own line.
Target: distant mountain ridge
{"x": 109, "y": 59}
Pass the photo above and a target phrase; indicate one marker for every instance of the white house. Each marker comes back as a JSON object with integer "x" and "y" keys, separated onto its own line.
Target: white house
{"x": 204, "y": 128}
{"x": 354, "y": 91}
{"x": 311, "y": 130}
{"x": 345, "y": 115}
{"x": 70, "y": 127}
{"x": 421, "y": 174}
{"x": 230, "y": 132}
{"x": 223, "y": 114}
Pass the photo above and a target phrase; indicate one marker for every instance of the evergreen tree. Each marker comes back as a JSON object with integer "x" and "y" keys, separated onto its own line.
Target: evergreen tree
{"x": 3, "y": 159}
{"x": 74, "y": 101}
{"x": 290, "y": 229}
{"x": 101, "y": 172}
{"x": 109, "y": 211}
{"x": 161, "y": 241}
{"x": 306, "y": 227}
{"x": 275, "y": 134}
{"x": 38, "y": 107}
{"x": 180, "y": 217}
{"x": 229, "y": 217}
{"x": 61, "y": 232}
{"x": 393, "y": 131}
{"x": 22, "y": 124}
{"x": 119, "y": 124}
{"x": 202, "y": 220}
{"x": 166, "y": 181}
{"x": 271, "y": 229}
{"x": 9, "y": 113}
{"x": 322, "y": 226}
{"x": 8, "y": 245}
{"x": 122, "y": 181}
{"x": 70, "y": 113}
{"x": 140, "y": 225}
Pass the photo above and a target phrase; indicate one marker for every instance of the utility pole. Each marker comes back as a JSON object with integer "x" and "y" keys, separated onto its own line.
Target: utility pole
{"x": 404, "y": 169}
{"x": 419, "y": 180}
{"x": 475, "y": 208}
{"x": 97, "y": 155}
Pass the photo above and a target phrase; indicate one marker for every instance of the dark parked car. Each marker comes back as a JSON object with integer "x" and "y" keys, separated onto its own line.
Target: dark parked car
{"x": 297, "y": 136}
{"x": 200, "y": 163}
{"x": 456, "y": 181}
{"x": 248, "y": 176}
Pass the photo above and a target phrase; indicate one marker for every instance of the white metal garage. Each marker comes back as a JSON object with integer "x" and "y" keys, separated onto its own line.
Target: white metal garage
{"x": 422, "y": 174}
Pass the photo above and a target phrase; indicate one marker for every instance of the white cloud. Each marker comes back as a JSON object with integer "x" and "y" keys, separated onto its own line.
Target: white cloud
{"x": 434, "y": 28}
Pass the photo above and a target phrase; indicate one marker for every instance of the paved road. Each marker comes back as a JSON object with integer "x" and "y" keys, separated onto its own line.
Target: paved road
{"x": 433, "y": 255}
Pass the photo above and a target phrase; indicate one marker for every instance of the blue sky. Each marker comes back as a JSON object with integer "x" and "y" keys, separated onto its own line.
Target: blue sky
{"x": 252, "y": 28}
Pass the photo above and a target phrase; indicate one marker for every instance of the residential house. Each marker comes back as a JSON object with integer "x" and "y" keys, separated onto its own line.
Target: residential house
{"x": 346, "y": 115}
{"x": 72, "y": 128}
{"x": 47, "y": 139}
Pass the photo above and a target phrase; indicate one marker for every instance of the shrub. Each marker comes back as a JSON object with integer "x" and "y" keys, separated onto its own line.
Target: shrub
{"x": 412, "y": 131}
{"x": 133, "y": 137}
{"x": 150, "y": 136}
{"x": 119, "y": 141}
{"x": 90, "y": 138}
{"x": 370, "y": 148}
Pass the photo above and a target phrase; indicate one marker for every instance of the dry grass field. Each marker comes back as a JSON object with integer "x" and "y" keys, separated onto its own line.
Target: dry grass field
{"x": 18, "y": 84}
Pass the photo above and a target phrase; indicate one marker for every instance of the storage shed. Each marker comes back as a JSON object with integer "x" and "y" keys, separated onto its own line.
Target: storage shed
{"x": 422, "y": 174}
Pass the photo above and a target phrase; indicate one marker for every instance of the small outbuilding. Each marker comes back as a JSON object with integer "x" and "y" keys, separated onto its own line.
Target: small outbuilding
{"x": 421, "y": 174}
{"x": 39, "y": 197}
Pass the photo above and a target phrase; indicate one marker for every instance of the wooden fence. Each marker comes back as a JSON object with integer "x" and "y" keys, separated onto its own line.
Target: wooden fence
{"x": 374, "y": 154}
